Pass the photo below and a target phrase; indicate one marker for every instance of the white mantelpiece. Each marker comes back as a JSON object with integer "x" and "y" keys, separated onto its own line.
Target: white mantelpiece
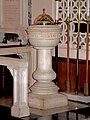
{"x": 44, "y": 92}
{"x": 21, "y": 70}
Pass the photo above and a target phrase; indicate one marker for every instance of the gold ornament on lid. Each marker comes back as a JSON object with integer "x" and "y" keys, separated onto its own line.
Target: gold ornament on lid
{"x": 44, "y": 19}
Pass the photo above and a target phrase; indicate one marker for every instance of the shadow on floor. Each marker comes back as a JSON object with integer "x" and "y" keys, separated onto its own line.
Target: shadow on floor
{"x": 5, "y": 114}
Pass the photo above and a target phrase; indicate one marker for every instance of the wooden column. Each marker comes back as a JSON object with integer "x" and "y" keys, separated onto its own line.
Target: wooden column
{"x": 68, "y": 86}
{"x": 78, "y": 47}
{"x": 56, "y": 48}
{"x": 86, "y": 87}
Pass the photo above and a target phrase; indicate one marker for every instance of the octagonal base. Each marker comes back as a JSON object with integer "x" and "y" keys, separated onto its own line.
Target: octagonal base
{"x": 47, "y": 101}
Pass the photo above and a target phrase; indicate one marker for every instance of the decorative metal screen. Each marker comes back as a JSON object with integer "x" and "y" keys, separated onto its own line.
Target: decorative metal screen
{"x": 74, "y": 21}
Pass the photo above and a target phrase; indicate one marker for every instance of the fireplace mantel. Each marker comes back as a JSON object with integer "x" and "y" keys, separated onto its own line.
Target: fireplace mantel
{"x": 21, "y": 69}
{"x": 14, "y": 50}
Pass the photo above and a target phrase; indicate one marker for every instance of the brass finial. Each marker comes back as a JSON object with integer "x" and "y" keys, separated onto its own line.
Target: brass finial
{"x": 44, "y": 19}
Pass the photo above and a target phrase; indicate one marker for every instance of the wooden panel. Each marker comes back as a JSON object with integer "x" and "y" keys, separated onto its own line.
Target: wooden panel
{"x": 62, "y": 74}
{"x": 73, "y": 76}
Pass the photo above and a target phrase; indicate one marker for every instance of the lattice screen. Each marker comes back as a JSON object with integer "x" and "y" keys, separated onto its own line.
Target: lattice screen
{"x": 74, "y": 21}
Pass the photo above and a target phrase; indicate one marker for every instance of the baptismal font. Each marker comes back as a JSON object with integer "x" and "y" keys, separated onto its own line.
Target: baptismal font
{"x": 44, "y": 35}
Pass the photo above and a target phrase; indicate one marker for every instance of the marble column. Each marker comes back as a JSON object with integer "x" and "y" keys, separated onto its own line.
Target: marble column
{"x": 20, "y": 96}
{"x": 44, "y": 92}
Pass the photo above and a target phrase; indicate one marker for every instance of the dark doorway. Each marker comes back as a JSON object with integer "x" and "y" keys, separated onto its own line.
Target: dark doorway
{"x": 6, "y": 81}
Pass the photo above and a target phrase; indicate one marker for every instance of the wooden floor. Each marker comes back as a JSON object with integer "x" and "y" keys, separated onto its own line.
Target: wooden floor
{"x": 6, "y": 101}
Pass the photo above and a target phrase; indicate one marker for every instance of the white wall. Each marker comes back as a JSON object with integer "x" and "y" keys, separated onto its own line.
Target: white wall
{"x": 38, "y": 5}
